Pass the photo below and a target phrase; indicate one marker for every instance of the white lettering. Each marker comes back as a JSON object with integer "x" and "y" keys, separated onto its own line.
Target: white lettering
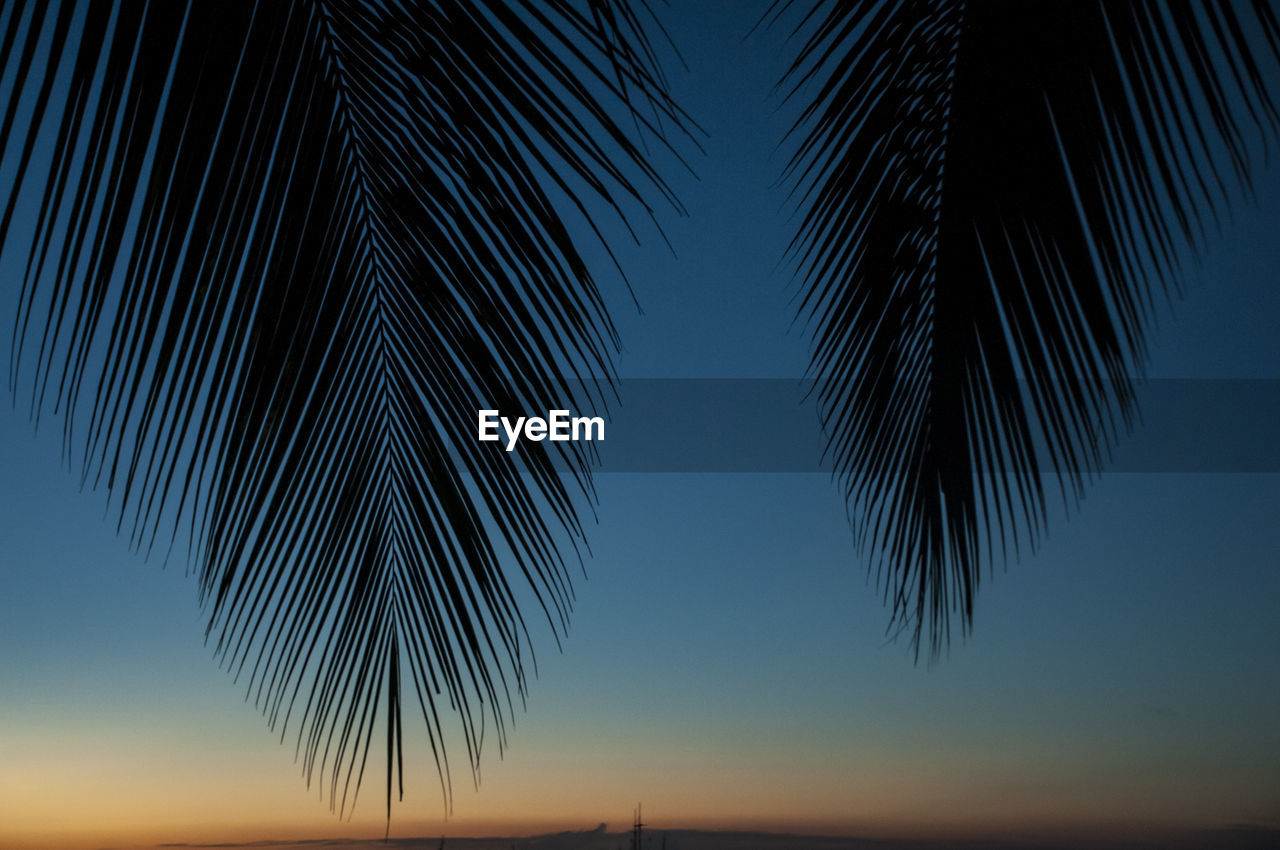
{"x": 587, "y": 424}
{"x": 558, "y": 427}
{"x": 513, "y": 434}
{"x": 488, "y": 426}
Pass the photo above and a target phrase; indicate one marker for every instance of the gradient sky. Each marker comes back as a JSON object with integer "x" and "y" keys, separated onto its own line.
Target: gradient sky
{"x": 727, "y": 663}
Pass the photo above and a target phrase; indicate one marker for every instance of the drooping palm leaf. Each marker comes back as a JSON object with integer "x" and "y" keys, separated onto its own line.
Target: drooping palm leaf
{"x": 992, "y": 194}
{"x": 275, "y": 256}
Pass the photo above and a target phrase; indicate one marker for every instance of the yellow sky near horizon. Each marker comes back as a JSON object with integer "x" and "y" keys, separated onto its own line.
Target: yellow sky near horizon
{"x": 119, "y": 786}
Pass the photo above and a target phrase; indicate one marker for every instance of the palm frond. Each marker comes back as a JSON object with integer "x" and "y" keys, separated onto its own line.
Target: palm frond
{"x": 275, "y": 256}
{"x": 993, "y": 196}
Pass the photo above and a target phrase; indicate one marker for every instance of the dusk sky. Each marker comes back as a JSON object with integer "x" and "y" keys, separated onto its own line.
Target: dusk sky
{"x": 727, "y": 662}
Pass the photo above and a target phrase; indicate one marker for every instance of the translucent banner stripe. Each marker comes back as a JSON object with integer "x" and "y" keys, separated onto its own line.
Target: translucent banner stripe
{"x": 753, "y": 425}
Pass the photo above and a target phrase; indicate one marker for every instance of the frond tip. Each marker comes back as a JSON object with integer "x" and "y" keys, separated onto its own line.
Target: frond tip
{"x": 992, "y": 195}
{"x": 276, "y": 255}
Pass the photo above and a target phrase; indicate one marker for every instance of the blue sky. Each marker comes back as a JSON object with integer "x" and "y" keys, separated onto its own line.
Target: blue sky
{"x": 727, "y": 661}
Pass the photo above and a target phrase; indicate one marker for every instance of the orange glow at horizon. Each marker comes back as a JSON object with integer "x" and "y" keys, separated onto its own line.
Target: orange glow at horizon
{"x": 92, "y": 789}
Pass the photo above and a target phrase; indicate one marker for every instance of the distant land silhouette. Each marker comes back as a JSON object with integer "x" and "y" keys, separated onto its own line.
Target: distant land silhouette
{"x": 1231, "y": 837}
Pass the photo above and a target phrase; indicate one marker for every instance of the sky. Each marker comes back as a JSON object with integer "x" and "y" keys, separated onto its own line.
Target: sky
{"x": 727, "y": 661}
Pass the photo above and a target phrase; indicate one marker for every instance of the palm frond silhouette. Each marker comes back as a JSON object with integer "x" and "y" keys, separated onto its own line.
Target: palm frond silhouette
{"x": 275, "y": 248}
{"x": 993, "y": 196}
{"x": 269, "y": 250}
